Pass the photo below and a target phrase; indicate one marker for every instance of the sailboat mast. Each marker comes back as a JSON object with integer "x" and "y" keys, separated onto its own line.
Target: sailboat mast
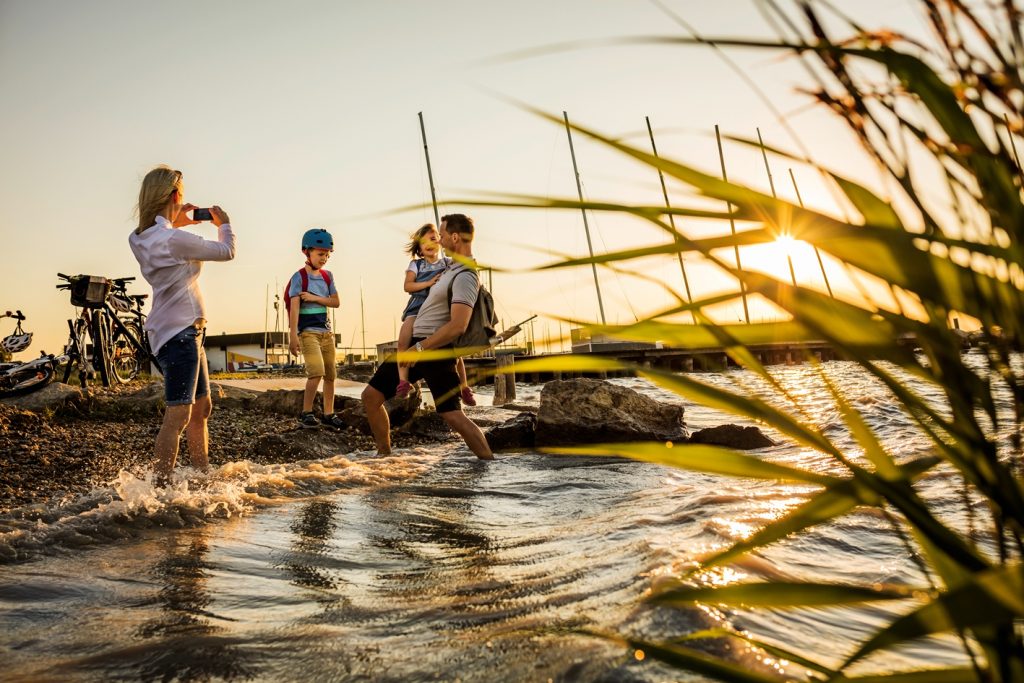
{"x": 671, "y": 219}
{"x": 821, "y": 264}
{"x": 771, "y": 184}
{"x": 430, "y": 173}
{"x": 586, "y": 226}
{"x": 732, "y": 226}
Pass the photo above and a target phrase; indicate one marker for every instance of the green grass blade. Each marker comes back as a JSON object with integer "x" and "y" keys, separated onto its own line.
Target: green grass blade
{"x": 779, "y": 652}
{"x": 781, "y": 594}
{"x": 835, "y": 501}
{"x": 992, "y": 597}
{"x": 874, "y": 210}
{"x": 699, "y": 458}
{"x": 699, "y": 662}
{"x": 747, "y": 406}
{"x": 926, "y": 676}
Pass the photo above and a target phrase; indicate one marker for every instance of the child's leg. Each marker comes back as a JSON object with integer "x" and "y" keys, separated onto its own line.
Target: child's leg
{"x": 307, "y": 399}
{"x": 311, "y": 355}
{"x": 330, "y": 371}
{"x": 464, "y": 391}
{"x": 404, "y": 339}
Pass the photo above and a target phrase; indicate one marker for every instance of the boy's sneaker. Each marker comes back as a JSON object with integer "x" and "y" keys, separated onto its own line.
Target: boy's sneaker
{"x": 467, "y": 396}
{"x": 403, "y": 389}
{"x": 308, "y": 420}
{"x": 333, "y": 420}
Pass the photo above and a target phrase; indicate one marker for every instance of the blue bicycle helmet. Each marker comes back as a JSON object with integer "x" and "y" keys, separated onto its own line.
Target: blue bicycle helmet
{"x": 317, "y": 238}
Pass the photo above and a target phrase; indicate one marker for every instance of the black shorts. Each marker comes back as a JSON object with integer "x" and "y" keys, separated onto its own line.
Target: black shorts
{"x": 441, "y": 376}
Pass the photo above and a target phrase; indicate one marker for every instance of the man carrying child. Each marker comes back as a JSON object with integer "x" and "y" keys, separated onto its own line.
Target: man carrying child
{"x": 437, "y": 326}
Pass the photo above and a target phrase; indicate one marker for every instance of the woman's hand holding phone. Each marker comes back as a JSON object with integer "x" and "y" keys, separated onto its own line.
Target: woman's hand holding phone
{"x": 183, "y": 219}
{"x": 218, "y": 216}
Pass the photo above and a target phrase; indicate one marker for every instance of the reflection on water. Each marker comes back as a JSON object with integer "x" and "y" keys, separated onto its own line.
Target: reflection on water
{"x": 433, "y": 566}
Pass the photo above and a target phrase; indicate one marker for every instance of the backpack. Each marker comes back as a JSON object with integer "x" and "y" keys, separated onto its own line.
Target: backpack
{"x": 304, "y": 276}
{"x": 482, "y": 322}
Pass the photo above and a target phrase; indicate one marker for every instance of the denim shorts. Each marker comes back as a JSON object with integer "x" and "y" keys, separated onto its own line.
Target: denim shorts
{"x": 183, "y": 361}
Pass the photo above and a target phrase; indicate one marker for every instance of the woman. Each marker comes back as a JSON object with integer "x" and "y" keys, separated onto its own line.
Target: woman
{"x": 170, "y": 260}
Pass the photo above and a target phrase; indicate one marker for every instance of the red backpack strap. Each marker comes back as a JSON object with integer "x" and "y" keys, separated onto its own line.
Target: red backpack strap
{"x": 304, "y": 276}
{"x": 327, "y": 278}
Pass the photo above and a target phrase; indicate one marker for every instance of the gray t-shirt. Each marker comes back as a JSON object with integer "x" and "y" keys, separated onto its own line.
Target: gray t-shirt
{"x": 435, "y": 313}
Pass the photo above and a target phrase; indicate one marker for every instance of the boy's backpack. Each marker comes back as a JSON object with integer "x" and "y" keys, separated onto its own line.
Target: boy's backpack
{"x": 304, "y": 276}
{"x": 482, "y": 322}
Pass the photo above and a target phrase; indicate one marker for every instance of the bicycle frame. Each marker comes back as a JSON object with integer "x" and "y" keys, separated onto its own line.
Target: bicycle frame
{"x": 102, "y": 324}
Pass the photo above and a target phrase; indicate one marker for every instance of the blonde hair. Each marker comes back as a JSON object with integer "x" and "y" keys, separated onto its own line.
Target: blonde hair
{"x": 157, "y": 187}
{"x": 415, "y": 246}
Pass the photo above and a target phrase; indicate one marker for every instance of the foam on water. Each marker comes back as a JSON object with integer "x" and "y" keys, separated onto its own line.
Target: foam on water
{"x": 130, "y": 504}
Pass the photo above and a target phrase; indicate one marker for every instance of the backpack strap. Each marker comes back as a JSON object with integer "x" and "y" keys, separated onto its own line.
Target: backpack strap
{"x": 326, "y": 275}
{"x": 304, "y": 276}
{"x": 451, "y": 285}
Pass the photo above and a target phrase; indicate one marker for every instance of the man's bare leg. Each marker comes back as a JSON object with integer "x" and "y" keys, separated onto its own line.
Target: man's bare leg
{"x": 470, "y": 433}
{"x": 377, "y": 416}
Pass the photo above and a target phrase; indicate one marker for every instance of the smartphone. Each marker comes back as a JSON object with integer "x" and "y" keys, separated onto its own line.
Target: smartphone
{"x": 201, "y": 215}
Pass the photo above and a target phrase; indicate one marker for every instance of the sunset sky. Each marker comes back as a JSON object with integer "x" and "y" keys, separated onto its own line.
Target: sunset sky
{"x": 304, "y": 114}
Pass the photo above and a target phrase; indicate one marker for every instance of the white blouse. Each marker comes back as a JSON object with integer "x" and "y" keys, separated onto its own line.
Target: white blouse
{"x": 170, "y": 260}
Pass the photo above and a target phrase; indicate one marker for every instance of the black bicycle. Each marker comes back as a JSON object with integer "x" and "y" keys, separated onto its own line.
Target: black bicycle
{"x": 108, "y": 336}
{"x": 18, "y": 378}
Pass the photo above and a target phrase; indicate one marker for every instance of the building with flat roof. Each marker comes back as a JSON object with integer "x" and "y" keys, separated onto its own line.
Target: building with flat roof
{"x": 227, "y": 352}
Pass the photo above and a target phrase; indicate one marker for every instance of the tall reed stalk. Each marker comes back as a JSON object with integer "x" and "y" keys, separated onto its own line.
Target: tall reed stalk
{"x": 952, "y": 110}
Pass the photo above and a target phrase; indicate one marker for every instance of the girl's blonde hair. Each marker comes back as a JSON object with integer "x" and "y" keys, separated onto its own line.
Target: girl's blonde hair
{"x": 415, "y": 246}
{"x": 157, "y": 187}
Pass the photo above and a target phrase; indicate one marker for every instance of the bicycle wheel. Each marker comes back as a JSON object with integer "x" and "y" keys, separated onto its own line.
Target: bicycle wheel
{"x": 125, "y": 359}
{"x": 26, "y": 381}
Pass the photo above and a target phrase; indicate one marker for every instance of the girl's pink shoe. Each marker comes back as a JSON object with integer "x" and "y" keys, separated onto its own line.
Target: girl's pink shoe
{"x": 467, "y": 396}
{"x": 403, "y": 389}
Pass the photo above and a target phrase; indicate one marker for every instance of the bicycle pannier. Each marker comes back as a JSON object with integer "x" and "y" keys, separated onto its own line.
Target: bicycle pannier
{"x": 89, "y": 291}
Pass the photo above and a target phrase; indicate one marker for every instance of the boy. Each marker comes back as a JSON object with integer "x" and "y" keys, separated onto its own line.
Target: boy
{"x": 310, "y": 292}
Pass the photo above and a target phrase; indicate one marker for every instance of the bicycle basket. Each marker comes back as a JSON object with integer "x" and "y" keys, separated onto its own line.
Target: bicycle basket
{"x": 89, "y": 291}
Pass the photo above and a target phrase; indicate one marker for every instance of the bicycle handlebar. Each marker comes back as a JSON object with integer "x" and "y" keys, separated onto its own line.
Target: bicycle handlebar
{"x": 17, "y": 315}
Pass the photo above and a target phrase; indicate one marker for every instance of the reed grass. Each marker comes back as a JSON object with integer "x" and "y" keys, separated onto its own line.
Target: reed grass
{"x": 951, "y": 108}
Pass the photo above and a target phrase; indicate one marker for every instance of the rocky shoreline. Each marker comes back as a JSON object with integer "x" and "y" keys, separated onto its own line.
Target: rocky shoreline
{"x": 70, "y": 442}
{"x": 62, "y": 442}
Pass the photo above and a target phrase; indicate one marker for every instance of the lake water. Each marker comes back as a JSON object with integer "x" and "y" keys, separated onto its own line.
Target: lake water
{"x": 429, "y": 565}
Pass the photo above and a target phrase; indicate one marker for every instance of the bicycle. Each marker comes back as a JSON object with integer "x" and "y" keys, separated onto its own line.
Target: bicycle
{"x": 126, "y": 361}
{"x": 18, "y": 378}
{"x": 119, "y": 344}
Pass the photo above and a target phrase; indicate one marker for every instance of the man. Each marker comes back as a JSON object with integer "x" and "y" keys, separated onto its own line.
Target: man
{"x": 437, "y": 326}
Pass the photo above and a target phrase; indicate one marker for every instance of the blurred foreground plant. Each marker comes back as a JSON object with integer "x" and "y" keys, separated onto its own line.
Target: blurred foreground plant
{"x": 951, "y": 111}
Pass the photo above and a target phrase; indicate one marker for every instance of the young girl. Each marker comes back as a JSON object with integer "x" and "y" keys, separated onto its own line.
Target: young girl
{"x": 424, "y": 270}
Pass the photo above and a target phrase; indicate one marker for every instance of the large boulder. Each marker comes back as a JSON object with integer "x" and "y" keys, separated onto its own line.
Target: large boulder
{"x": 732, "y": 436}
{"x": 51, "y": 398}
{"x": 515, "y": 433}
{"x": 576, "y": 411}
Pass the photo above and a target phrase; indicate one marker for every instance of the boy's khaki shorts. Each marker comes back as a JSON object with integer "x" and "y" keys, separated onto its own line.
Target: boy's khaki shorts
{"x": 318, "y": 352}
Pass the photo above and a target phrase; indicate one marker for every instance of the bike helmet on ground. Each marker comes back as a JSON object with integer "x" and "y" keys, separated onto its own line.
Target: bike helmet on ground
{"x": 16, "y": 342}
{"x": 317, "y": 238}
